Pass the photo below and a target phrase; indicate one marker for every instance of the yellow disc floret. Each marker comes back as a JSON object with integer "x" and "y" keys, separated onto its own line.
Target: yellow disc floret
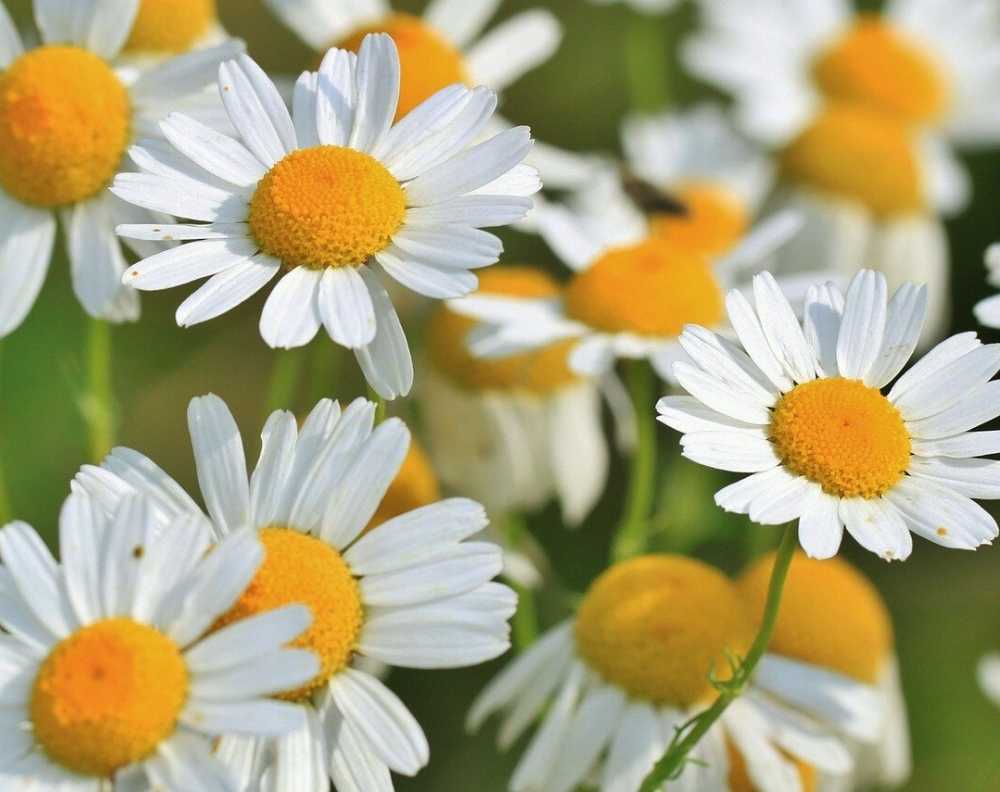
{"x": 428, "y": 62}
{"x": 539, "y": 371}
{"x": 170, "y": 26}
{"x": 658, "y": 625}
{"x": 653, "y": 288}
{"x": 107, "y": 696}
{"x": 327, "y": 206}
{"x": 299, "y": 568}
{"x": 877, "y": 65}
{"x": 64, "y": 125}
{"x": 830, "y": 616}
{"x": 414, "y": 486}
{"x": 845, "y": 436}
{"x": 714, "y": 220}
{"x": 857, "y": 154}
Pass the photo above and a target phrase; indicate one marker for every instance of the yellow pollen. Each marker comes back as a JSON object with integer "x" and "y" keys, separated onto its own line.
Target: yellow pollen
{"x": 64, "y": 125}
{"x": 170, "y": 26}
{"x": 107, "y": 696}
{"x": 428, "y": 62}
{"x": 540, "y": 371}
{"x": 877, "y": 65}
{"x": 739, "y": 779}
{"x": 715, "y": 220}
{"x": 299, "y": 568}
{"x": 414, "y": 486}
{"x": 653, "y": 288}
{"x": 845, "y": 436}
{"x": 327, "y": 206}
{"x": 857, "y": 154}
{"x": 830, "y": 616}
{"x": 656, "y": 626}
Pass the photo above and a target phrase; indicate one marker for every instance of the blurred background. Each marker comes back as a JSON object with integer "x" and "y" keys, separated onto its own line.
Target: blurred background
{"x": 944, "y": 603}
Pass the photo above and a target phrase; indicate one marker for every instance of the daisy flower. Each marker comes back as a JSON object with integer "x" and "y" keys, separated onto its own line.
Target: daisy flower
{"x": 617, "y": 679}
{"x": 988, "y": 311}
{"x": 116, "y": 674}
{"x": 831, "y": 666}
{"x": 68, "y": 110}
{"x": 512, "y": 432}
{"x": 801, "y": 408}
{"x": 329, "y": 199}
{"x": 633, "y": 287}
{"x": 164, "y": 28}
{"x": 445, "y": 46}
{"x": 410, "y": 592}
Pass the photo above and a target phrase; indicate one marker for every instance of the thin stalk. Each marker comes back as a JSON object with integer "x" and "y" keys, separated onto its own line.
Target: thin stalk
{"x": 647, "y": 63}
{"x": 286, "y": 377}
{"x": 525, "y": 623}
{"x": 381, "y": 408}
{"x": 632, "y": 537}
{"x": 687, "y": 737}
{"x": 98, "y": 401}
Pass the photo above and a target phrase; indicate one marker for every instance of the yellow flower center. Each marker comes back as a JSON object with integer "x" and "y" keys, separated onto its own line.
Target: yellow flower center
{"x": 170, "y": 26}
{"x": 830, "y": 615}
{"x": 876, "y": 65}
{"x": 539, "y": 371}
{"x": 64, "y": 125}
{"x": 845, "y": 436}
{"x": 414, "y": 486}
{"x": 327, "y": 206}
{"x": 656, "y": 626}
{"x": 299, "y": 568}
{"x": 428, "y": 62}
{"x": 653, "y": 288}
{"x": 739, "y": 779}
{"x": 715, "y": 220}
{"x": 860, "y": 155}
{"x": 107, "y": 696}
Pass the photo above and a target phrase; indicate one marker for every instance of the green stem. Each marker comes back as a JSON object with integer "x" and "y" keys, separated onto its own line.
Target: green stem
{"x": 687, "y": 737}
{"x": 525, "y": 623}
{"x": 646, "y": 63}
{"x": 286, "y": 376}
{"x": 380, "y": 405}
{"x": 98, "y": 402}
{"x": 5, "y": 511}
{"x": 633, "y": 534}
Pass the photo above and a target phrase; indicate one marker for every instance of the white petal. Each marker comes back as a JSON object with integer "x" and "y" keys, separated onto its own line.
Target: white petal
{"x": 637, "y": 745}
{"x": 949, "y": 384}
{"x": 257, "y": 110}
{"x": 386, "y": 362}
{"x": 271, "y": 673}
{"x": 738, "y": 453}
{"x": 458, "y": 20}
{"x": 514, "y": 47}
{"x": 782, "y": 502}
{"x": 715, "y": 394}
{"x": 592, "y": 729}
{"x": 220, "y": 461}
{"x": 929, "y": 366}
{"x": 291, "y": 315}
{"x": 747, "y": 326}
{"x": 188, "y": 199}
{"x": 26, "y": 239}
{"x": 738, "y": 496}
{"x": 863, "y": 325}
{"x": 345, "y": 305}
{"x": 876, "y": 525}
{"x": 973, "y": 478}
{"x": 256, "y": 718}
{"x": 218, "y": 154}
{"x": 96, "y": 259}
{"x": 438, "y": 283}
{"x": 820, "y": 526}
{"x": 962, "y": 446}
{"x": 335, "y": 97}
{"x": 226, "y": 290}
{"x": 248, "y": 639}
{"x": 377, "y": 89}
{"x": 186, "y": 263}
{"x": 687, "y": 414}
{"x": 782, "y": 330}
{"x": 904, "y": 321}
{"x": 304, "y": 109}
{"x": 37, "y": 577}
{"x": 823, "y": 313}
{"x": 942, "y": 516}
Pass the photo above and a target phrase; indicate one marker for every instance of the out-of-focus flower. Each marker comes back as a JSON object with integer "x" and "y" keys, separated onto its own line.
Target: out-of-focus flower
{"x": 512, "y": 432}
{"x": 634, "y": 286}
{"x": 801, "y": 408}
{"x": 328, "y": 199}
{"x": 410, "y": 592}
{"x": 164, "y": 28}
{"x": 831, "y": 667}
{"x": 627, "y": 670}
{"x": 115, "y": 661}
{"x": 988, "y": 311}
{"x": 68, "y": 111}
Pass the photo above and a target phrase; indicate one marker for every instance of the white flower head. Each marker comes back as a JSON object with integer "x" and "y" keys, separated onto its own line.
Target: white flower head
{"x": 114, "y": 671}
{"x": 68, "y": 110}
{"x": 409, "y": 592}
{"x": 800, "y": 407}
{"x": 329, "y": 197}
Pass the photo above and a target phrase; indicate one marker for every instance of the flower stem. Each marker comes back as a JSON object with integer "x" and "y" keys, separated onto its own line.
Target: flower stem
{"x": 646, "y": 63}
{"x": 380, "y": 405}
{"x": 98, "y": 401}
{"x": 286, "y": 376}
{"x": 671, "y": 764}
{"x": 525, "y": 621}
{"x": 633, "y": 534}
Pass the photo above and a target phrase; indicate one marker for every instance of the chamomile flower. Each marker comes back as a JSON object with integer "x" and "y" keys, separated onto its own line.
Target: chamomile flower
{"x": 512, "y": 432}
{"x": 409, "y": 592}
{"x": 164, "y": 28}
{"x": 801, "y": 408}
{"x": 329, "y": 200}
{"x": 635, "y": 283}
{"x": 116, "y": 674}
{"x": 988, "y": 311}
{"x": 831, "y": 665}
{"x": 630, "y": 667}
{"x": 68, "y": 110}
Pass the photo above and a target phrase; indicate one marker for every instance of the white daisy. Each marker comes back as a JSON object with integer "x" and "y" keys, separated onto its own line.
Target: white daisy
{"x": 801, "y": 408}
{"x": 987, "y": 311}
{"x": 68, "y": 110}
{"x": 830, "y": 667}
{"x": 410, "y": 592}
{"x": 329, "y": 199}
{"x": 635, "y": 283}
{"x": 617, "y": 679}
{"x": 114, "y": 674}
{"x": 444, "y": 46}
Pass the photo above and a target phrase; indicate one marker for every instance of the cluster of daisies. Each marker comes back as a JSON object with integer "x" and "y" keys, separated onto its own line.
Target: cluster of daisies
{"x": 240, "y": 642}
